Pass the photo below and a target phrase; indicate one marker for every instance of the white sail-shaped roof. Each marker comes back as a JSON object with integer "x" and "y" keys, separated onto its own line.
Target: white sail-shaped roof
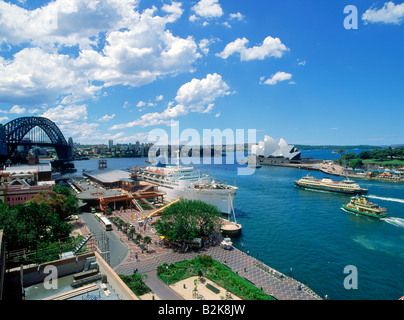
{"x": 270, "y": 146}
{"x": 254, "y": 148}
{"x": 261, "y": 148}
{"x": 282, "y": 143}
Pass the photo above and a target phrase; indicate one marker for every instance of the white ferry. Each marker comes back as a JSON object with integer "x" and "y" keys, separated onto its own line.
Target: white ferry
{"x": 346, "y": 186}
{"x": 188, "y": 183}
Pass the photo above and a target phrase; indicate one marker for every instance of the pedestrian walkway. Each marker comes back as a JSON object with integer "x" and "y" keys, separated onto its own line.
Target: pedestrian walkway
{"x": 270, "y": 281}
{"x": 160, "y": 289}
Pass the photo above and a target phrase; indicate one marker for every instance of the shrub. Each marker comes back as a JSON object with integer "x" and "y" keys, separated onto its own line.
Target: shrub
{"x": 135, "y": 283}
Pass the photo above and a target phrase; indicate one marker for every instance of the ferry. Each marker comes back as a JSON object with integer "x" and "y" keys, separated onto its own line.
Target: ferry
{"x": 188, "y": 183}
{"x": 360, "y": 205}
{"x": 346, "y": 186}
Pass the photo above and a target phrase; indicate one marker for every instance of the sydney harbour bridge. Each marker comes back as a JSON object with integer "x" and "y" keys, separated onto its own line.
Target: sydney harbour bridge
{"x": 33, "y": 131}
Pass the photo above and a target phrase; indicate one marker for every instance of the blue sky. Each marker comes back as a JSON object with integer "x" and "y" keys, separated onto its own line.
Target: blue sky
{"x": 289, "y": 69}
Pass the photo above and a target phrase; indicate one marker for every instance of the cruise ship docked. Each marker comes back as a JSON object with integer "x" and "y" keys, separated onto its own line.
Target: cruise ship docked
{"x": 346, "y": 186}
{"x": 188, "y": 183}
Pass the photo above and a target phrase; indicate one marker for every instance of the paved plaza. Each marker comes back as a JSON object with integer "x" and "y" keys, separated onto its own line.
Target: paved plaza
{"x": 270, "y": 281}
{"x": 267, "y": 279}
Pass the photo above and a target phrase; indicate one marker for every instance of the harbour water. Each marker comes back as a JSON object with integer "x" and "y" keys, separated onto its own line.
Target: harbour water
{"x": 305, "y": 234}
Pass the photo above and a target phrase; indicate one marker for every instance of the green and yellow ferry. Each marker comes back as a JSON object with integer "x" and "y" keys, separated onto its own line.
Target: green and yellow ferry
{"x": 360, "y": 205}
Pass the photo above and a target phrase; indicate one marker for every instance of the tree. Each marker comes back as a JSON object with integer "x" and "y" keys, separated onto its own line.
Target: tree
{"x": 58, "y": 201}
{"x": 355, "y": 163}
{"x": 188, "y": 219}
{"x": 341, "y": 150}
{"x": 147, "y": 240}
{"x": 365, "y": 155}
{"x": 346, "y": 158}
{"x": 108, "y": 211}
{"x": 25, "y": 226}
{"x": 138, "y": 237}
{"x": 131, "y": 232}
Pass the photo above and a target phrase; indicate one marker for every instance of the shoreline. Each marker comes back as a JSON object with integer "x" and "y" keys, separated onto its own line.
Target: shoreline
{"x": 332, "y": 169}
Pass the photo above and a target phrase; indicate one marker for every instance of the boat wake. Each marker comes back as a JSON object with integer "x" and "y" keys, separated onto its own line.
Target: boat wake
{"x": 386, "y": 199}
{"x": 399, "y": 222}
{"x": 346, "y": 210}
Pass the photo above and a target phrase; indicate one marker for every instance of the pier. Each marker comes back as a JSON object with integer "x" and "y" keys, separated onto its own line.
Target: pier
{"x": 264, "y": 277}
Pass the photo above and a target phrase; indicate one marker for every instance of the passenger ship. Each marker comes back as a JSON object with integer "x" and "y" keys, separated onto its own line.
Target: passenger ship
{"x": 188, "y": 183}
{"x": 346, "y": 186}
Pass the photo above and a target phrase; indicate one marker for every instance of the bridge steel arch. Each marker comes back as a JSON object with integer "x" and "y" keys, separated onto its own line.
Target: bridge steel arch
{"x": 16, "y": 130}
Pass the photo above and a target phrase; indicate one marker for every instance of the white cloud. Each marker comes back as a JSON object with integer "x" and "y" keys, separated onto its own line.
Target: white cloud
{"x": 193, "y": 18}
{"x": 174, "y": 10}
{"x": 277, "y": 77}
{"x": 236, "y": 16}
{"x": 208, "y": 9}
{"x": 34, "y": 110}
{"x": 140, "y": 55}
{"x": 106, "y": 118}
{"x": 137, "y": 49}
{"x": 3, "y": 119}
{"x": 36, "y": 77}
{"x": 204, "y": 44}
{"x": 198, "y": 95}
{"x": 72, "y": 121}
{"x": 141, "y": 104}
{"x": 64, "y": 22}
{"x": 390, "y": 13}
{"x": 271, "y": 47}
{"x": 66, "y": 114}
{"x": 15, "y": 109}
{"x": 160, "y": 97}
{"x": 301, "y": 63}
{"x": 237, "y": 45}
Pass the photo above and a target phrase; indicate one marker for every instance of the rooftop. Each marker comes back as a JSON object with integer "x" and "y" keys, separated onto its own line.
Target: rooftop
{"x": 90, "y": 191}
{"x": 108, "y": 175}
{"x": 82, "y": 277}
{"x": 64, "y": 291}
{"x": 40, "y": 167}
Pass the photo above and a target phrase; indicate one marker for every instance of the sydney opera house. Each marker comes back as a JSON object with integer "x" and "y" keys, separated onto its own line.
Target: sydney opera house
{"x": 269, "y": 148}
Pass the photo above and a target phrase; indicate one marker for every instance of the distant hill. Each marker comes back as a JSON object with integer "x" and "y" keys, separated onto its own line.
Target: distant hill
{"x": 334, "y": 147}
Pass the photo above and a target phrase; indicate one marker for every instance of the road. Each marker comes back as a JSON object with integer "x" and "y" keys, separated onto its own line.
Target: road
{"x": 118, "y": 249}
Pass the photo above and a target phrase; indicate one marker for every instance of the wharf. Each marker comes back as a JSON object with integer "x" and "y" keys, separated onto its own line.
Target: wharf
{"x": 269, "y": 280}
{"x": 325, "y": 167}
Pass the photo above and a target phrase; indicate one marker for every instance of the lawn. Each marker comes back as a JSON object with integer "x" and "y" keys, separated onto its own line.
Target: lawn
{"x": 215, "y": 271}
{"x": 384, "y": 162}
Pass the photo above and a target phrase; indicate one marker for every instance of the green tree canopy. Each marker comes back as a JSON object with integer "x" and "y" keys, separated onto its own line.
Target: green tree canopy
{"x": 188, "y": 219}
{"x": 27, "y": 225}
{"x": 42, "y": 219}
{"x": 355, "y": 163}
{"x": 59, "y": 200}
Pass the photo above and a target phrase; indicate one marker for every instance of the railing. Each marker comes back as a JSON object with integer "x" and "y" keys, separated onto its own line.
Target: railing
{"x": 26, "y": 256}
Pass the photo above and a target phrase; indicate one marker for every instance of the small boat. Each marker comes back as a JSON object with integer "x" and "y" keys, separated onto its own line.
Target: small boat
{"x": 360, "y": 205}
{"x": 226, "y": 244}
{"x": 255, "y": 165}
{"x": 230, "y": 228}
